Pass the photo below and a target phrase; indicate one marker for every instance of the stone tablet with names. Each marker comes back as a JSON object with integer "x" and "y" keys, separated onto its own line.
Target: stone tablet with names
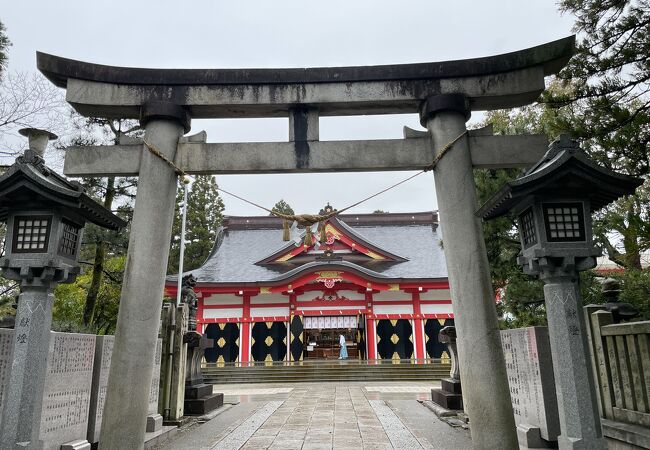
{"x": 6, "y": 350}
{"x": 103, "y": 353}
{"x": 68, "y": 380}
{"x": 155, "y": 380}
{"x": 66, "y": 399}
{"x": 530, "y": 376}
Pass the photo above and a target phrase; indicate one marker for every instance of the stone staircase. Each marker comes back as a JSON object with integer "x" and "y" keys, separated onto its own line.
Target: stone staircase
{"x": 325, "y": 371}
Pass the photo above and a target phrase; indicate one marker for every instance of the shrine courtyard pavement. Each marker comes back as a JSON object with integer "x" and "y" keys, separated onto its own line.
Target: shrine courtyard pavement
{"x": 362, "y": 415}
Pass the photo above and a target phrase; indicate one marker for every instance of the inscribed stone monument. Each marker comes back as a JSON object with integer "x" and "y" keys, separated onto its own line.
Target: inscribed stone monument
{"x": 6, "y": 341}
{"x": 66, "y": 399}
{"x": 155, "y": 381}
{"x": 103, "y": 353}
{"x": 530, "y": 376}
{"x": 68, "y": 381}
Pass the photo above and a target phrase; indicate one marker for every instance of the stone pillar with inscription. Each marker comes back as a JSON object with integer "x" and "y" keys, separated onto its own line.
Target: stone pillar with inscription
{"x": 24, "y": 397}
{"x": 577, "y": 403}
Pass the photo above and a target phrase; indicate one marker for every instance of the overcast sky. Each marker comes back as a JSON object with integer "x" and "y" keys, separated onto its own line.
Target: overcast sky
{"x": 265, "y": 33}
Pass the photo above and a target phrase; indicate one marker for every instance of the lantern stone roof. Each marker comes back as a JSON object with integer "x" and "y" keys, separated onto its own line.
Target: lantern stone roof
{"x": 30, "y": 182}
{"x": 412, "y": 239}
{"x": 564, "y": 170}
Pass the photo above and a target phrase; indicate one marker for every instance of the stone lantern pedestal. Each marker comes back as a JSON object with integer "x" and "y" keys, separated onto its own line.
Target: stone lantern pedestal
{"x": 450, "y": 396}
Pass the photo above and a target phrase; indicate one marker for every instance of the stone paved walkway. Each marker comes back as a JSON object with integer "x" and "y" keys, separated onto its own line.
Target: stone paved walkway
{"x": 324, "y": 416}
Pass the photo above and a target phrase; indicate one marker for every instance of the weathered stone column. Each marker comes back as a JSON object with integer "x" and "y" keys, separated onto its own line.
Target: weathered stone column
{"x": 23, "y": 400}
{"x": 574, "y": 380}
{"x": 127, "y": 398}
{"x": 486, "y": 393}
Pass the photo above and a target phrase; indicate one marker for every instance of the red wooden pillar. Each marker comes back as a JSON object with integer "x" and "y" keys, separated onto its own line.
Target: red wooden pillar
{"x": 292, "y": 312}
{"x": 246, "y": 329}
{"x": 200, "y": 326}
{"x": 370, "y": 329}
{"x": 418, "y": 328}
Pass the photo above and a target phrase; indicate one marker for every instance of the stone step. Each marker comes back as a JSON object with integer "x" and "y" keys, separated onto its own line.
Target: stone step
{"x": 323, "y": 373}
{"x": 326, "y": 370}
{"x": 314, "y": 380}
{"x": 319, "y": 371}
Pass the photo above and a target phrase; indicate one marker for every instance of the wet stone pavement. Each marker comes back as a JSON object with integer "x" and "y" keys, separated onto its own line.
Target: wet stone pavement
{"x": 323, "y": 416}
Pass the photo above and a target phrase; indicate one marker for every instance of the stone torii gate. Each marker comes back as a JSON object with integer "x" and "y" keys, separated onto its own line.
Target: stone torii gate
{"x": 443, "y": 93}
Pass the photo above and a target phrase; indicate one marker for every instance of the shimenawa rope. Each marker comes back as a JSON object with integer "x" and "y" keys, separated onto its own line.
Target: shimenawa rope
{"x": 307, "y": 220}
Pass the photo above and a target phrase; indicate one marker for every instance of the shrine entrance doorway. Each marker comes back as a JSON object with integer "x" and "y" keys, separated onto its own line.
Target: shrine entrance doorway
{"x": 322, "y": 335}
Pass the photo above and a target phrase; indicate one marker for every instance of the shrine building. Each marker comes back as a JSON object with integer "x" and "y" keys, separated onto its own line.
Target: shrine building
{"x": 379, "y": 279}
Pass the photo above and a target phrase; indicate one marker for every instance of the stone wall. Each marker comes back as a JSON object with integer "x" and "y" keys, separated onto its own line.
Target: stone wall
{"x": 75, "y": 385}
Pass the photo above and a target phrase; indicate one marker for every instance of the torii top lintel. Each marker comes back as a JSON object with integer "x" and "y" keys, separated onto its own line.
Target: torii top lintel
{"x": 501, "y": 81}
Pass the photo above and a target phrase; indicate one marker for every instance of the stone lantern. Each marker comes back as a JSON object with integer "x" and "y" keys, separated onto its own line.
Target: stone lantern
{"x": 45, "y": 215}
{"x": 553, "y": 203}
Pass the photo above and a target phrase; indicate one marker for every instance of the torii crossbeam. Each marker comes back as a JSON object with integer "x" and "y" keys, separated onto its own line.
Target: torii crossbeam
{"x": 443, "y": 93}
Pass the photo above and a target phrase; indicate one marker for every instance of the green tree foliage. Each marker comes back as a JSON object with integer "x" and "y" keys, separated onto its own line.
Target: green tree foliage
{"x": 282, "y": 207}
{"x": 636, "y": 290}
{"x": 204, "y": 217}
{"x": 99, "y": 283}
{"x": 4, "y": 46}
{"x": 70, "y": 300}
{"x": 522, "y": 297}
{"x": 609, "y": 77}
{"x": 602, "y": 98}
{"x": 8, "y": 288}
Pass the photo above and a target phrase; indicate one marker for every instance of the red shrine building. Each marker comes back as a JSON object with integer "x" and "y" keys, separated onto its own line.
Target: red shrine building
{"x": 378, "y": 279}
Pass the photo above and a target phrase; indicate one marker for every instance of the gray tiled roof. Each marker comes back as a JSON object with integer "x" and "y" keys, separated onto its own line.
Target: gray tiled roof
{"x": 233, "y": 260}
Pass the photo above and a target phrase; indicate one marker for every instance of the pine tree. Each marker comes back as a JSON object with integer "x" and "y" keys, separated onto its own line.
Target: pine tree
{"x": 282, "y": 207}
{"x": 4, "y": 46}
{"x": 607, "y": 83}
{"x": 204, "y": 217}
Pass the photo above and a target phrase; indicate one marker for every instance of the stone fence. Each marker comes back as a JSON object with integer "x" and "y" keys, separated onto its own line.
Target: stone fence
{"x": 621, "y": 363}
{"x": 75, "y": 387}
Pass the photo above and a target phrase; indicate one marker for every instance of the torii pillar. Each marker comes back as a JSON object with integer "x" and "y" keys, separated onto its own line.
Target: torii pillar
{"x": 138, "y": 319}
{"x": 486, "y": 392}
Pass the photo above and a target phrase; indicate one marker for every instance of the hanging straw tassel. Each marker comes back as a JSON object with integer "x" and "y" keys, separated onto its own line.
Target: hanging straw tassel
{"x": 308, "y": 239}
{"x": 286, "y": 231}
{"x": 323, "y": 234}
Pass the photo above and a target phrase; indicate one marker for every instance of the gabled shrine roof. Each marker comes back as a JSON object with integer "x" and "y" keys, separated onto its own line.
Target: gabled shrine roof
{"x": 369, "y": 247}
{"x": 413, "y": 238}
